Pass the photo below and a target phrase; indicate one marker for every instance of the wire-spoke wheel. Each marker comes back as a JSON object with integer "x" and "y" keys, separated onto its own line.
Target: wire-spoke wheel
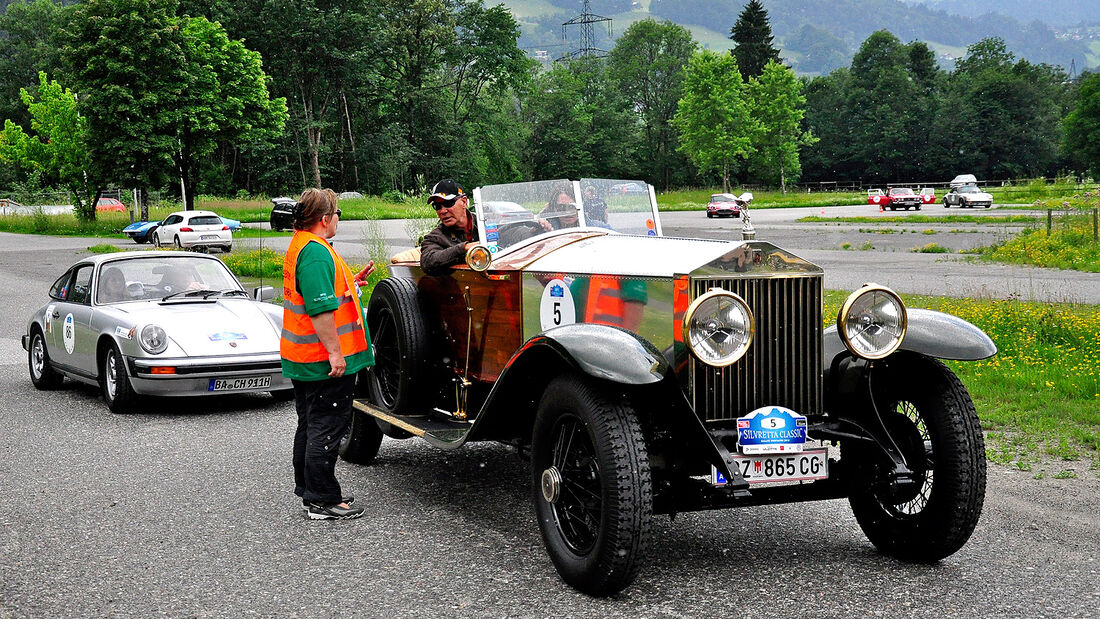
{"x": 931, "y": 420}
{"x": 591, "y": 484}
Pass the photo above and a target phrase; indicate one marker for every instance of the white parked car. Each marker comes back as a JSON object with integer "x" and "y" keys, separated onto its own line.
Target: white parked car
{"x": 191, "y": 229}
{"x": 963, "y": 179}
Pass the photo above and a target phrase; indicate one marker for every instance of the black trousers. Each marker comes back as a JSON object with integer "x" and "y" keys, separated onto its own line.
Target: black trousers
{"x": 324, "y": 408}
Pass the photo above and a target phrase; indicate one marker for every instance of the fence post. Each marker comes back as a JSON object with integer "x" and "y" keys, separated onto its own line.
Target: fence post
{"x": 1050, "y": 215}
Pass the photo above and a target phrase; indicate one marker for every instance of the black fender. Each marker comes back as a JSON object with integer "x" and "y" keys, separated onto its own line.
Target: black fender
{"x": 606, "y": 353}
{"x": 930, "y": 333}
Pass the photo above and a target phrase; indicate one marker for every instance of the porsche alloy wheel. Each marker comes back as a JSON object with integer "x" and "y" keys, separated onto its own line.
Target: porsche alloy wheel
{"x": 43, "y": 376}
{"x": 931, "y": 419}
{"x": 115, "y": 383}
{"x": 591, "y": 483}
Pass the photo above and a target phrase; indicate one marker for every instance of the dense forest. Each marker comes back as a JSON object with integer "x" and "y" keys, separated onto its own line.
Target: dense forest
{"x": 270, "y": 96}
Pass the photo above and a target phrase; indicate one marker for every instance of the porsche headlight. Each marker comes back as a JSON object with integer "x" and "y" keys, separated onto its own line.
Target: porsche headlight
{"x": 872, "y": 322}
{"x": 153, "y": 339}
{"x": 718, "y": 328}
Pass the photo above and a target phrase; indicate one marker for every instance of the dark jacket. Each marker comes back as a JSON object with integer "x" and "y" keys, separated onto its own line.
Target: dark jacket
{"x": 445, "y": 247}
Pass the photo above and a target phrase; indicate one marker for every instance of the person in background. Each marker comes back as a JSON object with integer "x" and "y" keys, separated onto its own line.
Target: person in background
{"x": 560, "y": 211}
{"x": 595, "y": 209}
{"x": 324, "y": 343}
{"x": 446, "y": 245}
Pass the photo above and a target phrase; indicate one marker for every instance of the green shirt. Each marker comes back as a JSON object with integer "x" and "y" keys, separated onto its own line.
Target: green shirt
{"x": 314, "y": 276}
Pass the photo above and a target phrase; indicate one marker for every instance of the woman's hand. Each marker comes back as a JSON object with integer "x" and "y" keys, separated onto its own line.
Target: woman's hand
{"x": 361, "y": 276}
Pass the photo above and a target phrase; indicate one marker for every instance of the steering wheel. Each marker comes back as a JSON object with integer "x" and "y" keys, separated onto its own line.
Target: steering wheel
{"x": 517, "y": 231}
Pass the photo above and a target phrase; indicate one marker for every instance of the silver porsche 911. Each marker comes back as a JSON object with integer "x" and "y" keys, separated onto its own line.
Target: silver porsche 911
{"x": 155, "y": 323}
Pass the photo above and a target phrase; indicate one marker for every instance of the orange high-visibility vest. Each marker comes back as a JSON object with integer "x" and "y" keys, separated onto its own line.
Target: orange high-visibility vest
{"x": 299, "y": 342}
{"x": 605, "y": 302}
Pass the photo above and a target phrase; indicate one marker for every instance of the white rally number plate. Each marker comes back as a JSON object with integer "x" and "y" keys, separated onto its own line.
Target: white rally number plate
{"x": 236, "y": 384}
{"x": 804, "y": 466}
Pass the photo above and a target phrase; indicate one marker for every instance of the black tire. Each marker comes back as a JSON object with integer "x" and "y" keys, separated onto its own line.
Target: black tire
{"x": 115, "y": 383}
{"x": 400, "y": 381}
{"x": 43, "y": 376}
{"x": 932, "y": 419}
{"x": 592, "y": 488}
{"x": 710, "y": 215}
{"x": 156, "y": 239}
{"x": 177, "y": 242}
{"x": 362, "y": 440}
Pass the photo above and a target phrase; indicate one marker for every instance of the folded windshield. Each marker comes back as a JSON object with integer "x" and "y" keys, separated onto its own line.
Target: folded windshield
{"x": 513, "y": 213}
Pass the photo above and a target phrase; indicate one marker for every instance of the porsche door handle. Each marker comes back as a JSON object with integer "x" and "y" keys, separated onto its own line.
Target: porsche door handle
{"x": 56, "y": 315}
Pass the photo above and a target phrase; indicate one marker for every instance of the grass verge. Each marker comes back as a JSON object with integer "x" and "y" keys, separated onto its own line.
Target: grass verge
{"x": 1039, "y": 396}
{"x": 927, "y": 219}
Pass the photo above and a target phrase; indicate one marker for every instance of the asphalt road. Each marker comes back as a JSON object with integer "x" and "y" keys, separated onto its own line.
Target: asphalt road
{"x": 187, "y": 511}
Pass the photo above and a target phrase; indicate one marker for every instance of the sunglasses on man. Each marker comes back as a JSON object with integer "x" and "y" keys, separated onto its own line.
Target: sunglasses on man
{"x": 442, "y": 204}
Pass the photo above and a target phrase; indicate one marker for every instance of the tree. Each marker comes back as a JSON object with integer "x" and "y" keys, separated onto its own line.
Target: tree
{"x": 581, "y": 125}
{"x": 58, "y": 148}
{"x": 226, "y": 98}
{"x": 125, "y": 57}
{"x": 1082, "y": 126}
{"x": 29, "y": 34}
{"x": 713, "y": 117}
{"x": 778, "y": 105}
{"x": 752, "y": 35}
{"x": 648, "y": 64}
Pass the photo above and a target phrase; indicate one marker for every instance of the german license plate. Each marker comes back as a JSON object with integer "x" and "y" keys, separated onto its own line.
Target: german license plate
{"x": 756, "y": 469}
{"x": 209, "y": 237}
{"x": 236, "y": 384}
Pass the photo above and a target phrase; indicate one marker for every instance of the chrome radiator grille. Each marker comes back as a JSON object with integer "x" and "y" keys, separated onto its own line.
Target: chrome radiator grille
{"x": 783, "y": 365}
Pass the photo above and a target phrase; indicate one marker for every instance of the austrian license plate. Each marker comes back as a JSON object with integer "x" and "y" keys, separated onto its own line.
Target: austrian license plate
{"x": 236, "y": 384}
{"x": 209, "y": 237}
{"x": 756, "y": 469}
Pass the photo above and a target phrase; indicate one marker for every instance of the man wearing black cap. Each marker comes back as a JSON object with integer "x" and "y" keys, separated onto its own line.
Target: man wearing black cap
{"x": 446, "y": 245}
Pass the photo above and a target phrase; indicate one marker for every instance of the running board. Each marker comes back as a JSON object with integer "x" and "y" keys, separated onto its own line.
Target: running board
{"x": 443, "y": 433}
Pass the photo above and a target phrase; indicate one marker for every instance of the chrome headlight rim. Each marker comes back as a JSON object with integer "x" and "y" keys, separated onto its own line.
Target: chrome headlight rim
{"x": 155, "y": 334}
{"x": 738, "y": 354}
{"x": 479, "y": 258}
{"x": 846, "y": 308}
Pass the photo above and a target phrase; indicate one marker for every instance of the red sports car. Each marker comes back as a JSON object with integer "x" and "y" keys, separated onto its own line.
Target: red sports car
{"x": 928, "y": 195}
{"x": 110, "y": 204}
{"x": 876, "y": 197}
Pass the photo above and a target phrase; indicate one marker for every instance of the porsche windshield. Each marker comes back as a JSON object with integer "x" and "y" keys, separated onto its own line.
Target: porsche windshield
{"x": 155, "y": 277}
{"x": 512, "y": 213}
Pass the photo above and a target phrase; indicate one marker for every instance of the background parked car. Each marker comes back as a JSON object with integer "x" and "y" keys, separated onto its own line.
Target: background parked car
{"x": 109, "y": 205}
{"x": 194, "y": 229}
{"x": 967, "y": 196}
{"x": 282, "y": 213}
{"x": 963, "y": 179}
{"x": 723, "y": 205}
{"x": 928, "y": 195}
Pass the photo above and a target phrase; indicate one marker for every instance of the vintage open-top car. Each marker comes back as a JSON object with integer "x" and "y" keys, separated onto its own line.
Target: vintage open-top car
{"x": 155, "y": 323}
{"x": 647, "y": 375}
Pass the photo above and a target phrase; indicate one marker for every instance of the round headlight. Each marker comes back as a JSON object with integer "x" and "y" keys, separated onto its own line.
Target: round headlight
{"x": 479, "y": 258}
{"x": 718, "y": 328}
{"x": 153, "y": 339}
{"x": 872, "y": 322}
